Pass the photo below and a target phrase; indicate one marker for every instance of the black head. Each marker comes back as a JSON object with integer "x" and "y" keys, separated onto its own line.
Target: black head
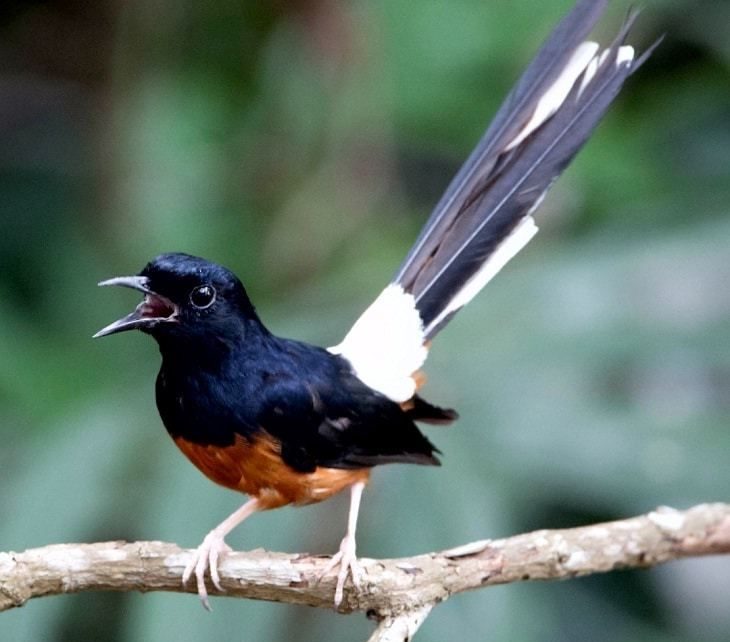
{"x": 185, "y": 297}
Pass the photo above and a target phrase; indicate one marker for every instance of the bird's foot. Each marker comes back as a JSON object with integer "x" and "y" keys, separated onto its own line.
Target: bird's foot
{"x": 346, "y": 559}
{"x": 206, "y": 558}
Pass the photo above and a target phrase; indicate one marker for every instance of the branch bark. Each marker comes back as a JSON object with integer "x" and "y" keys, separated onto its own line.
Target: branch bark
{"x": 398, "y": 592}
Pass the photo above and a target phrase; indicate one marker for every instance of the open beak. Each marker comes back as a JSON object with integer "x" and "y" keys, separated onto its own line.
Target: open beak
{"x": 154, "y": 308}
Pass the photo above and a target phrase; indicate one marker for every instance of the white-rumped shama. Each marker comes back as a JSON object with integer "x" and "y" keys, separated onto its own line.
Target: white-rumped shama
{"x": 290, "y": 423}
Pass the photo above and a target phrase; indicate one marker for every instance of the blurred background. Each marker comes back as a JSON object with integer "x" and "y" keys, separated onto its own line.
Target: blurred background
{"x": 302, "y": 143}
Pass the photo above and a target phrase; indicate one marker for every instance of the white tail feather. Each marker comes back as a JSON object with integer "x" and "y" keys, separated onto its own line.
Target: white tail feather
{"x": 506, "y": 250}
{"x": 556, "y": 94}
{"x": 625, "y": 54}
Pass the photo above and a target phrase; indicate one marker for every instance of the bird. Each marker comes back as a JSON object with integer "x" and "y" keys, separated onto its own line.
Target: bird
{"x": 289, "y": 423}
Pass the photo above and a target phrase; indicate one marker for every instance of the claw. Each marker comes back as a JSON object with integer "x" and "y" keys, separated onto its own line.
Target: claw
{"x": 209, "y": 552}
{"x": 346, "y": 559}
{"x": 206, "y": 558}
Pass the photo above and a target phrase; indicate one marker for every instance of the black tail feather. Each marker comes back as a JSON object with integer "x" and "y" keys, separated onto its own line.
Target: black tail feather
{"x": 422, "y": 410}
{"x": 502, "y": 182}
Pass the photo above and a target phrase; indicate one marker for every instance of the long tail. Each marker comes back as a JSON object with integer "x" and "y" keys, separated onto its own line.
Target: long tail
{"x": 484, "y": 218}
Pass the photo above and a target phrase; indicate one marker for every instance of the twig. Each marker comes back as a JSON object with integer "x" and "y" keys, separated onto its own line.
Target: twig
{"x": 400, "y": 628}
{"x": 399, "y": 592}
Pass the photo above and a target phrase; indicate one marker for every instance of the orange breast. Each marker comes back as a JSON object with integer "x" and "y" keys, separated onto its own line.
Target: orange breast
{"x": 257, "y": 469}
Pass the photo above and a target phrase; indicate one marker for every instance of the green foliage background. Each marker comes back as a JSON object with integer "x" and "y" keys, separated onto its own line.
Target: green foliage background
{"x": 302, "y": 143}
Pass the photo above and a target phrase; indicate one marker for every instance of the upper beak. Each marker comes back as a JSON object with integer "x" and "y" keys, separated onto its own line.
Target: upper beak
{"x": 154, "y": 308}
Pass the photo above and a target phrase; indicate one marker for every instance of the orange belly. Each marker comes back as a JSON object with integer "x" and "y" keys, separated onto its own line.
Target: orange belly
{"x": 257, "y": 469}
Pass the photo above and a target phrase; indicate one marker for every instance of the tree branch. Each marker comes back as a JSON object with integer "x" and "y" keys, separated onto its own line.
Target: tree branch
{"x": 398, "y": 592}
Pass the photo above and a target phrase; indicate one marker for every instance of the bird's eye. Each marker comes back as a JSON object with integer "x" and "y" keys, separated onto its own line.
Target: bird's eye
{"x": 203, "y": 296}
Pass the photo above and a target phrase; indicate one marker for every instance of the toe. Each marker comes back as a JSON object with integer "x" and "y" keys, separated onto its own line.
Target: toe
{"x": 356, "y": 573}
{"x": 348, "y": 566}
{"x": 213, "y": 565}
{"x": 200, "y": 580}
{"x": 340, "y": 588}
{"x": 332, "y": 564}
{"x": 189, "y": 569}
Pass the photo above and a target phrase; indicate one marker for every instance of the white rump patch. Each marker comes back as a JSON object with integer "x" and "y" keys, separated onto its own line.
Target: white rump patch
{"x": 556, "y": 94}
{"x": 505, "y": 251}
{"x": 385, "y": 346}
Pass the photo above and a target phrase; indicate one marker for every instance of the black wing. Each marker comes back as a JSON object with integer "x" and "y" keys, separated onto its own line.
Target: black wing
{"x": 338, "y": 422}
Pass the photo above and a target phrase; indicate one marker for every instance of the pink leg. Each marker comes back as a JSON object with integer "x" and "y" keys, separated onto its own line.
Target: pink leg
{"x": 213, "y": 546}
{"x": 345, "y": 558}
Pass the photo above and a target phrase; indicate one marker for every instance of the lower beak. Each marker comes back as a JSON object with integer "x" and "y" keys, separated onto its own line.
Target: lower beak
{"x": 154, "y": 309}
